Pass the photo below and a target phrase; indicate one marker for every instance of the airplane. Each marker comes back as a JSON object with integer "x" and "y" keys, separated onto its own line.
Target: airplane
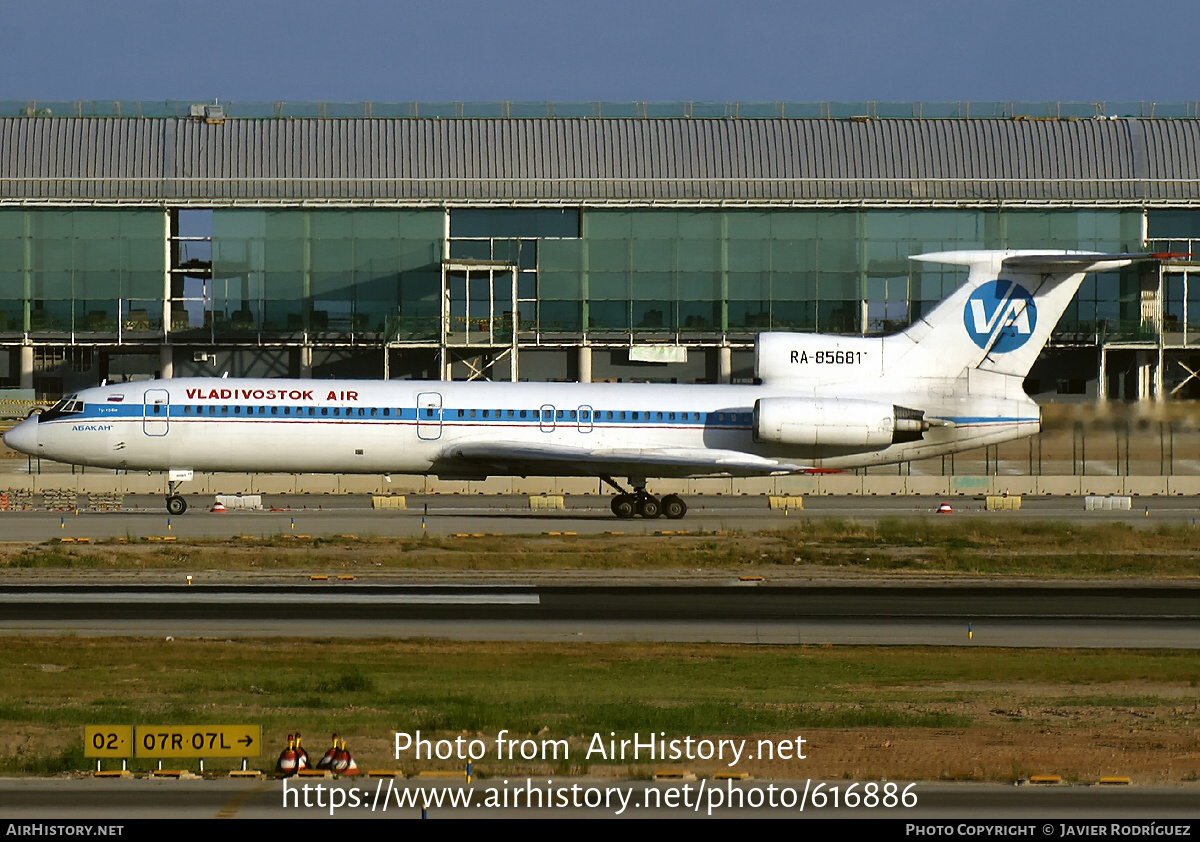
{"x": 950, "y": 381}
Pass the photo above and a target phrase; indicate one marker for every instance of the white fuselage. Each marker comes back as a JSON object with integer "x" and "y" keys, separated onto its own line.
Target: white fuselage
{"x": 407, "y": 427}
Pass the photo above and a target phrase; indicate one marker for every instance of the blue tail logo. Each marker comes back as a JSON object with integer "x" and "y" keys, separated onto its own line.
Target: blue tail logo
{"x": 1000, "y": 315}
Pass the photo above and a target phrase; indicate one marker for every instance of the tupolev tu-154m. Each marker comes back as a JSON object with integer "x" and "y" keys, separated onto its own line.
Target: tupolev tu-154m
{"x": 950, "y": 381}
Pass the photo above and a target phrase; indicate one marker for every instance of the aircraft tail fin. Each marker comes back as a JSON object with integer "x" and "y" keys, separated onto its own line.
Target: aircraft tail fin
{"x": 1002, "y": 317}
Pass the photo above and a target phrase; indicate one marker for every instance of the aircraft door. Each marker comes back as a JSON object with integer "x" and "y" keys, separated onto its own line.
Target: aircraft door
{"x": 429, "y": 416}
{"x": 585, "y": 419}
{"x": 156, "y": 412}
{"x": 546, "y": 418}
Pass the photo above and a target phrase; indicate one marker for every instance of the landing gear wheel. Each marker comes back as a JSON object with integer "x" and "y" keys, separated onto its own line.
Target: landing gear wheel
{"x": 648, "y": 506}
{"x": 176, "y": 505}
{"x": 673, "y": 507}
{"x": 622, "y": 506}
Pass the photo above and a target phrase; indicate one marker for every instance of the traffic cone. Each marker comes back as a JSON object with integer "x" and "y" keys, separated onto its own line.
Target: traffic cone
{"x": 301, "y": 755}
{"x": 218, "y": 507}
{"x": 287, "y": 759}
{"x": 351, "y": 766}
{"x": 326, "y": 762}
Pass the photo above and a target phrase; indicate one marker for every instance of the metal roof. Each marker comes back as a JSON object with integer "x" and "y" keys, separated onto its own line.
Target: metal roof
{"x": 1127, "y": 161}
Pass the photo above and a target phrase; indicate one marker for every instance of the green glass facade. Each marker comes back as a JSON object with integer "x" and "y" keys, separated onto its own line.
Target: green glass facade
{"x": 323, "y": 271}
{"x": 82, "y": 271}
{"x": 378, "y": 273}
{"x": 836, "y": 271}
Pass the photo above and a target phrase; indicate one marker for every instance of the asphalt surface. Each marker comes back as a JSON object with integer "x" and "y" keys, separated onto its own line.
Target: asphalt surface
{"x": 451, "y": 514}
{"x": 1125, "y": 616}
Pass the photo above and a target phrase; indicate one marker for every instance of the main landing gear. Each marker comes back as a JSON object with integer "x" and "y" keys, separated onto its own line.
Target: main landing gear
{"x": 643, "y": 504}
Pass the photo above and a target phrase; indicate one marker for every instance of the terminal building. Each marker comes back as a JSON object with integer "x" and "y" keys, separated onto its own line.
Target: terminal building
{"x": 581, "y": 241}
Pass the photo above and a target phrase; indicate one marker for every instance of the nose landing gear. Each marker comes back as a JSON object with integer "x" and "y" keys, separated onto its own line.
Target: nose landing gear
{"x": 176, "y": 505}
{"x": 643, "y": 504}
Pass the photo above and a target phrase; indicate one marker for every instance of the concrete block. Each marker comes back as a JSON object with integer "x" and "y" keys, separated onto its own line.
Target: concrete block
{"x": 1014, "y": 485}
{"x": 1183, "y": 485}
{"x": 755, "y": 486}
{"x": 1102, "y": 485}
{"x": 579, "y": 485}
{"x": 839, "y": 484}
{"x": 378, "y": 502}
{"x": 880, "y": 486}
{"x": 934, "y": 486}
{"x": 790, "y": 503}
{"x": 316, "y": 484}
{"x": 433, "y": 485}
{"x": 273, "y": 483}
{"x": 970, "y": 485}
{"x": 1146, "y": 486}
{"x": 792, "y": 485}
{"x": 224, "y": 484}
{"x": 359, "y": 483}
{"x": 534, "y": 485}
{"x": 1059, "y": 486}
{"x": 712, "y": 486}
{"x": 492, "y": 485}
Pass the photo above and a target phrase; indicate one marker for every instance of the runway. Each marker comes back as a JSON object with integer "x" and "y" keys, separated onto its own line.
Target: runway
{"x": 1121, "y": 616}
{"x": 451, "y": 514}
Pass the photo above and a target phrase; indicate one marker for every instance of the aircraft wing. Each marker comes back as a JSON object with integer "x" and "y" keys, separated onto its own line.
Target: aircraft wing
{"x": 489, "y": 458}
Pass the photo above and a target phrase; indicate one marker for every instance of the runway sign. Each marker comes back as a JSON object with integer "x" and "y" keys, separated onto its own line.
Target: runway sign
{"x": 108, "y": 741}
{"x": 201, "y": 741}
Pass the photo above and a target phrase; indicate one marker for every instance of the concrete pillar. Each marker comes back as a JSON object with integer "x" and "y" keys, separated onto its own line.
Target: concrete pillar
{"x": 1102, "y": 380}
{"x": 585, "y": 364}
{"x": 306, "y": 361}
{"x": 1145, "y": 376}
{"x": 26, "y": 366}
{"x": 166, "y": 361}
{"x": 724, "y": 364}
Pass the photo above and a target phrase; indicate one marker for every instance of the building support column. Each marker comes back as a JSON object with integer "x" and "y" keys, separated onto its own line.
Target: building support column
{"x": 1145, "y": 376}
{"x": 1102, "y": 381}
{"x": 26, "y": 366}
{"x": 305, "y": 362}
{"x": 166, "y": 361}
{"x": 585, "y": 364}
{"x": 724, "y": 364}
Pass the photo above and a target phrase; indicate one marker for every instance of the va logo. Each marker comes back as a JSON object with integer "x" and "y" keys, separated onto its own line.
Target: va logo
{"x": 1000, "y": 314}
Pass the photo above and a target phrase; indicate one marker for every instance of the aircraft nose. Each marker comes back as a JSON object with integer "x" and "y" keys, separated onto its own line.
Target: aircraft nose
{"x": 23, "y": 438}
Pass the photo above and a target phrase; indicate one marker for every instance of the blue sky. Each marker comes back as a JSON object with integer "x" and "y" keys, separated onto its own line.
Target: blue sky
{"x": 657, "y": 50}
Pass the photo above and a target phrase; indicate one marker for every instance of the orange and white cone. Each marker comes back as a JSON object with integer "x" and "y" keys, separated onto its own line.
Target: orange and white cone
{"x": 340, "y": 758}
{"x": 301, "y": 755}
{"x": 287, "y": 759}
{"x": 326, "y": 762}
{"x": 351, "y": 766}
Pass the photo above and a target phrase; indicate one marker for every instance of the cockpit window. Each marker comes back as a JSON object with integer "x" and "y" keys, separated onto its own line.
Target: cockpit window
{"x": 70, "y": 405}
